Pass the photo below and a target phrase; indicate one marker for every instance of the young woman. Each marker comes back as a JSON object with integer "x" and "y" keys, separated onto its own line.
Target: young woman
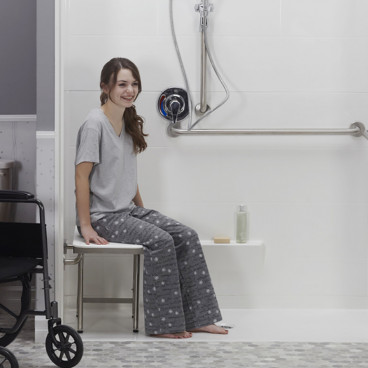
{"x": 178, "y": 295}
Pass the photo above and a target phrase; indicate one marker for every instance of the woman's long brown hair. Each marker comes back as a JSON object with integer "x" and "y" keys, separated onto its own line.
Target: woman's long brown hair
{"x": 132, "y": 121}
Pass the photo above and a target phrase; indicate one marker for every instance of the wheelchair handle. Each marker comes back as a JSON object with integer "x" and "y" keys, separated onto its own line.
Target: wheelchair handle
{"x": 15, "y": 194}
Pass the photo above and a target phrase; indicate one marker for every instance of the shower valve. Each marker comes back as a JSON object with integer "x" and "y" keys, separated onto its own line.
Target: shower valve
{"x": 173, "y": 104}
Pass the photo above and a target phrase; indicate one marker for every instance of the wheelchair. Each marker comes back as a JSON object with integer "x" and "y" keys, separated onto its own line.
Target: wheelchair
{"x": 23, "y": 252}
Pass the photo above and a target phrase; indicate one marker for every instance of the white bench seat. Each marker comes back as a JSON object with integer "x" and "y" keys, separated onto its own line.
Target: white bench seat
{"x": 81, "y": 248}
{"x": 115, "y": 248}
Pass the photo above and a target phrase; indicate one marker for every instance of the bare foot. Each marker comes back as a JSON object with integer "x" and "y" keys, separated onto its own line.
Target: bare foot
{"x": 176, "y": 335}
{"x": 211, "y": 329}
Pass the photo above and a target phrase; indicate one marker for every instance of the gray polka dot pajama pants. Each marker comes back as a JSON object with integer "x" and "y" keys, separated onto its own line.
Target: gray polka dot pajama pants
{"x": 177, "y": 290}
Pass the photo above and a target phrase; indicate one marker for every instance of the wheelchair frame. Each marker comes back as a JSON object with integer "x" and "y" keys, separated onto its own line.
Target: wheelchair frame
{"x": 63, "y": 344}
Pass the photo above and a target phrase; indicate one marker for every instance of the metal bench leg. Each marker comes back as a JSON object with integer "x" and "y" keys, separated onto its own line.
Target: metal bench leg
{"x": 135, "y": 304}
{"x": 80, "y": 294}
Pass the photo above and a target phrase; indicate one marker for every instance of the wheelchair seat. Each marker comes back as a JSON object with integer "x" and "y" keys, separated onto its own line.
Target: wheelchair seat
{"x": 11, "y": 267}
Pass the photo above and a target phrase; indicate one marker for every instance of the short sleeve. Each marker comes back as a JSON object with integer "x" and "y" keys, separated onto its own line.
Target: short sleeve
{"x": 88, "y": 146}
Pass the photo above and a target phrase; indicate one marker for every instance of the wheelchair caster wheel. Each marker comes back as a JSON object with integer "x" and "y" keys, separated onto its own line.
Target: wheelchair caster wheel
{"x": 7, "y": 359}
{"x": 66, "y": 350}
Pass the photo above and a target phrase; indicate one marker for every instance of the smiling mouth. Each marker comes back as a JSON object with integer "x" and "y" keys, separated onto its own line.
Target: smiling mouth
{"x": 129, "y": 99}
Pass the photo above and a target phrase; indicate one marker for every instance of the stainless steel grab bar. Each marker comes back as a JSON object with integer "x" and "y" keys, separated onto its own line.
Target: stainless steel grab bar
{"x": 356, "y": 129}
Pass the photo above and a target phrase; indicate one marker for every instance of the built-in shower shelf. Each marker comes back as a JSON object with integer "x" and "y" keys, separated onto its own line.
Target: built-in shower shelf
{"x": 233, "y": 243}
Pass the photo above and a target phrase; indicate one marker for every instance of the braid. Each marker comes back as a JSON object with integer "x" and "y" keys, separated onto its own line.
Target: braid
{"x": 134, "y": 127}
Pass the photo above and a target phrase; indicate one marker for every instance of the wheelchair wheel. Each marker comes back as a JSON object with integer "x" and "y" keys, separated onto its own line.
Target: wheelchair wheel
{"x": 68, "y": 349}
{"x": 7, "y": 359}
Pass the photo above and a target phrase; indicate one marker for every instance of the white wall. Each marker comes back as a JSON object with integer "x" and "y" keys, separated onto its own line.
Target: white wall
{"x": 288, "y": 63}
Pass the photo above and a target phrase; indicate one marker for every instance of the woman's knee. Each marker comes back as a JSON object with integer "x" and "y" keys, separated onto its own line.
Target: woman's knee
{"x": 189, "y": 233}
{"x": 160, "y": 240}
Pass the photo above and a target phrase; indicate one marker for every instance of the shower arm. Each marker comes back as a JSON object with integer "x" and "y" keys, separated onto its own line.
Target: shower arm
{"x": 356, "y": 129}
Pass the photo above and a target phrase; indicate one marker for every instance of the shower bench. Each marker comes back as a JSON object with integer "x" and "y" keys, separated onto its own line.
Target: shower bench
{"x": 80, "y": 248}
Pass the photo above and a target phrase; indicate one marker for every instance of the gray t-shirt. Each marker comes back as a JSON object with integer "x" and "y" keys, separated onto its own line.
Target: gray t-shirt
{"x": 113, "y": 179}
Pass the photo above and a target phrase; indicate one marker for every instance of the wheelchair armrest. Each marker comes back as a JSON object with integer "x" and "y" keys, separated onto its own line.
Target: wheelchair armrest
{"x": 15, "y": 194}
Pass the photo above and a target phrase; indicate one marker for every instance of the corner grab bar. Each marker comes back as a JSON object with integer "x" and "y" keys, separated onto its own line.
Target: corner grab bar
{"x": 356, "y": 129}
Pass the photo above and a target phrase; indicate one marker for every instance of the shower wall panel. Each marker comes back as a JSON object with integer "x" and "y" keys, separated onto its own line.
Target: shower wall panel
{"x": 288, "y": 65}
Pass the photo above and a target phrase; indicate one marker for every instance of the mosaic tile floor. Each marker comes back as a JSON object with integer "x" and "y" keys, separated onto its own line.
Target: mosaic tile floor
{"x": 194, "y": 354}
{"x": 201, "y": 354}
{"x": 202, "y": 351}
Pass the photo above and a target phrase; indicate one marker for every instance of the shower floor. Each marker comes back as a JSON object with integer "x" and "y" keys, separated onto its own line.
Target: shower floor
{"x": 115, "y": 324}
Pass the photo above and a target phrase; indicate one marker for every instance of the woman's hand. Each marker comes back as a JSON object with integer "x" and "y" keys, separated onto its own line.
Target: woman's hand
{"x": 90, "y": 236}
{"x": 137, "y": 200}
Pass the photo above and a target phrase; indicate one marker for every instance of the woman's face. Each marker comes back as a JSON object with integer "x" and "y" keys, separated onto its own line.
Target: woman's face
{"x": 125, "y": 90}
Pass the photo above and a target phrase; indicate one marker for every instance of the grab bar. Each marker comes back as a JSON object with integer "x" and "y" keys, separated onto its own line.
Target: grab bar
{"x": 356, "y": 129}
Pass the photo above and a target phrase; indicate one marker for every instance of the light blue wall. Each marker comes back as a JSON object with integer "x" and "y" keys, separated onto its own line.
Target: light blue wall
{"x": 27, "y": 83}
{"x": 18, "y": 57}
{"x": 45, "y": 64}
{"x": 27, "y": 60}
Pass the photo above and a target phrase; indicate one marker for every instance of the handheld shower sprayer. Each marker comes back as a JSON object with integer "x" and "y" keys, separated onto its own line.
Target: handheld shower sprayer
{"x": 203, "y": 8}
